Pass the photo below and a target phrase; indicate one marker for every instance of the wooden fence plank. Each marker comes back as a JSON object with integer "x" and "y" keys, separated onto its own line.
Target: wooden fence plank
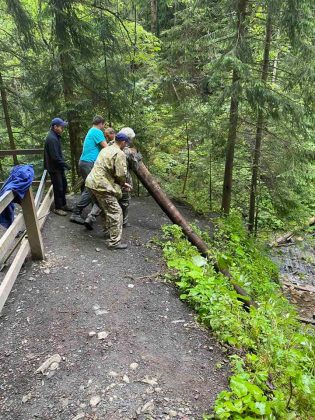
{"x": 9, "y": 236}
{"x": 11, "y": 275}
{"x": 32, "y": 226}
{"x": 5, "y": 200}
{"x": 41, "y": 189}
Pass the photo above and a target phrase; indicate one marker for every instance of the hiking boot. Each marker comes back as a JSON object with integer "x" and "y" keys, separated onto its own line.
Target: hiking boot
{"x": 118, "y": 246}
{"x": 76, "y": 218}
{"x": 60, "y": 212}
{"x": 88, "y": 223}
{"x": 67, "y": 208}
{"x": 106, "y": 234}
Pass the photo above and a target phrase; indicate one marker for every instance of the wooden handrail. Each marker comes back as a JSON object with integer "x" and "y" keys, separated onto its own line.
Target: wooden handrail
{"x": 5, "y": 200}
{"x": 14, "y": 152}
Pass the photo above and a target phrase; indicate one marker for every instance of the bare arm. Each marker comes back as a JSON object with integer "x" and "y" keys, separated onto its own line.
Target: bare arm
{"x": 103, "y": 144}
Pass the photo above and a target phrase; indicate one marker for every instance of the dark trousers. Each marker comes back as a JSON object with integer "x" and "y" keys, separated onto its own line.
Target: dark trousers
{"x": 86, "y": 197}
{"x": 59, "y": 183}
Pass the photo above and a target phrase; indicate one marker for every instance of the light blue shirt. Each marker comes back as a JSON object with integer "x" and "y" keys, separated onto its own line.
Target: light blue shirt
{"x": 91, "y": 145}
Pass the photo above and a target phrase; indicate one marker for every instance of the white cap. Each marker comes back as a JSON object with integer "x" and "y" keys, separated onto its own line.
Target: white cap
{"x": 129, "y": 132}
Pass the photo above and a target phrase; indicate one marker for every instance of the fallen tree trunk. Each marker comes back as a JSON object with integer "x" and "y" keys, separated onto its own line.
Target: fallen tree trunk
{"x": 177, "y": 218}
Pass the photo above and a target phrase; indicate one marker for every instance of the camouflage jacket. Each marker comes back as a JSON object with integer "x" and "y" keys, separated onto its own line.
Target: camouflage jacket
{"x": 109, "y": 171}
{"x": 128, "y": 154}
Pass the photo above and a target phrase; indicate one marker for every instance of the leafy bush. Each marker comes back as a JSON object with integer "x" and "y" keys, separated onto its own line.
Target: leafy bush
{"x": 276, "y": 378}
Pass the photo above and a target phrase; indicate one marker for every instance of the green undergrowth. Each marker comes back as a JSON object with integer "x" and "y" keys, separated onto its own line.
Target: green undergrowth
{"x": 274, "y": 379}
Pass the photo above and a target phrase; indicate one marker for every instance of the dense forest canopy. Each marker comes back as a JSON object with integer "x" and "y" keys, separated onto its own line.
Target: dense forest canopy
{"x": 220, "y": 93}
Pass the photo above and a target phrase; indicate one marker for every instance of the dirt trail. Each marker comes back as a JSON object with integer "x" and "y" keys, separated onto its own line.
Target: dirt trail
{"x": 154, "y": 361}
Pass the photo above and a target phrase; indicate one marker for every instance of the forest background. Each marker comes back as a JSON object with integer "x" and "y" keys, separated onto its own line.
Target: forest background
{"x": 217, "y": 91}
{"x": 221, "y": 96}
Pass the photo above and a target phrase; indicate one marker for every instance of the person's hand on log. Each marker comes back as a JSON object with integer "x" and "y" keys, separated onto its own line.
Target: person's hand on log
{"x": 127, "y": 187}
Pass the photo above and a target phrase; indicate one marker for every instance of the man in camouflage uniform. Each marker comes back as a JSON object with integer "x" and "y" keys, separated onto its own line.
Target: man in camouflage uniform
{"x": 106, "y": 181}
{"x": 126, "y": 196}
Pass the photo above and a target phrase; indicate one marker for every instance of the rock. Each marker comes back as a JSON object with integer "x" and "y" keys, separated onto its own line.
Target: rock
{"x": 149, "y": 381}
{"x": 64, "y": 402}
{"x": 148, "y": 407}
{"x": 98, "y": 249}
{"x": 92, "y": 333}
{"x": 52, "y": 363}
{"x": 111, "y": 386}
{"x": 54, "y": 366}
{"x": 26, "y": 397}
{"x": 47, "y": 271}
{"x": 113, "y": 374}
{"x": 126, "y": 379}
{"x": 95, "y": 400}
{"x": 133, "y": 366}
{"x": 101, "y": 312}
{"x": 131, "y": 286}
{"x": 172, "y": 413}
{"x": 102, "y": 335}
{"x": 79, "y": 416}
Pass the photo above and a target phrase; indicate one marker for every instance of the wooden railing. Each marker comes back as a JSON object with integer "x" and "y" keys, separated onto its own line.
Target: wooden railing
{"x": 26, "y": 227}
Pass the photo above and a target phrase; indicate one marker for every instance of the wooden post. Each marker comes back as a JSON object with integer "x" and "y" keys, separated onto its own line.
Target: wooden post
{"x": 32, "y": 226}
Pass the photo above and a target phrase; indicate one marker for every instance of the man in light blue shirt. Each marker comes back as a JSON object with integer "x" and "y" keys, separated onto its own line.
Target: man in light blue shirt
{"x": 93, "y": 143}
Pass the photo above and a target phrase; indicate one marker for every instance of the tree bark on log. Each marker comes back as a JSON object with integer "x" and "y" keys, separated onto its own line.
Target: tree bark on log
{"x": 177, "y": 218}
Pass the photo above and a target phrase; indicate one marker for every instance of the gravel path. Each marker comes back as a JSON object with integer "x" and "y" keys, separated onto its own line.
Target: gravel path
{"x": 128, "y": 347}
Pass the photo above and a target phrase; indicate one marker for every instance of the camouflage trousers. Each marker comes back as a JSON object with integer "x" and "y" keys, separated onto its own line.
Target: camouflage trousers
{"x": 124, "y": 204}
{"x": 114, "y": 219}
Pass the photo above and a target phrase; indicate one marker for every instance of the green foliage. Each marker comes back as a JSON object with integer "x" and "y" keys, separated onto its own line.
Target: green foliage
{"x": 276, "y": 378}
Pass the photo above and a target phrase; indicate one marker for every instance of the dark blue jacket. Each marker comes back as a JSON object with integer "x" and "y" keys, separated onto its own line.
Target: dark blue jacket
{"x": 53, "y": 157}
{"x": 19, "y": 181}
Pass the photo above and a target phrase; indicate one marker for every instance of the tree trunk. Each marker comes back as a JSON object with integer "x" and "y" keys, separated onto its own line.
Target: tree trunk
{"x": 72, "y": 114}
{"x": 177, "y": 218}
{"x": 5, "y": 106}
{"x": 188, "y": 159}
{"x": 154, "y": 19}
{"x": 259, "y": 130}
{"x": 229, "y": 160}
{"x": 67, "y": 69}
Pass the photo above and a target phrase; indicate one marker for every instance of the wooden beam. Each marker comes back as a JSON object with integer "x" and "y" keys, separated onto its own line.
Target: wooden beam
{"x": 32, "y": 226}
{"x": 9, "y": 235}
{"x": 11, "y": 275}
{"x": 34, "y": 183}
{"x": 5, "y": 200}
{"x": 21, "y": 152}
{"x": 41, "y": 189}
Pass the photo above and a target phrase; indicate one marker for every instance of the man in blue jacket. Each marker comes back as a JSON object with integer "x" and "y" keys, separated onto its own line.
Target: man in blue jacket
{"x": 55, "y": 164}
